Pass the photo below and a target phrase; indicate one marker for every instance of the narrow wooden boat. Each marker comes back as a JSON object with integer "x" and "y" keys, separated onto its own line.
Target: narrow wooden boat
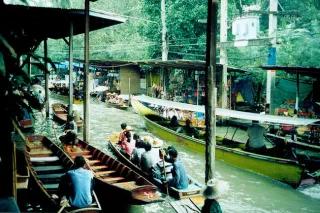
{"x": 115, "y": 176}
{"x": 140, "y": 109}
{"x": 285, "y": 170}
{"x": 194, "y": 188}
{"x": 60, "y": 113}
{"x": 47, "y": 163}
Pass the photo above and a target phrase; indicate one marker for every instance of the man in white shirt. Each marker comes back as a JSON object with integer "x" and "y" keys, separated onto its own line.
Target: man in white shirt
{"x": 256, "y": 138}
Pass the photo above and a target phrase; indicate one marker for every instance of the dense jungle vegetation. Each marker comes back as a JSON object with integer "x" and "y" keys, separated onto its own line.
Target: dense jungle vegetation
{"x": 298, "y": 39}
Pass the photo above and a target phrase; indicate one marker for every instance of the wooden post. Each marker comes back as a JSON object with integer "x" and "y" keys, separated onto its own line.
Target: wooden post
{"x": 224, "y": 53}
{"x": 165, "y": 48}
{"x": 272, "y": 50}
{"x": 29, "y": 67}
{"x": 297, "y": 93}
{"x": 198, "y": 86}
{"x": 210, "y": 113}
{"x": 70, "y": 108}
{"x": 129, "y": 101}
{"x": 45, "y": 44}
{"x": 86, "y": 104}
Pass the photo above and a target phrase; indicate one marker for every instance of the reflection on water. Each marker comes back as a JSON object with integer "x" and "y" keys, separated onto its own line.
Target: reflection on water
{"x": 247, "y": 192}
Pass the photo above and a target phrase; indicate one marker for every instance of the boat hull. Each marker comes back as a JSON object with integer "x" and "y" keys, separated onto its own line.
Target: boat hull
{"x": 194, "y": 190}
{"x": 47, "y": 163}
{"x": 284, "y": 170}
{"x": 112, "y": 175}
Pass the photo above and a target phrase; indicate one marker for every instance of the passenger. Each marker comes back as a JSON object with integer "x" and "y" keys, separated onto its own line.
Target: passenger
{"x": 137, "y": 152}
{"x": 255, "y": 142}
{"x": 174, "y": 124}
{"x": 189, "y": 130}
{"x": 69, "y": 138}
{"x": 122, "y": 133}
{"x": 180, "y": 178}
{"x": 76, "y": 185}
{"x": 127, "y": 144}
{"x": 71, "y": 125}
{"x": 162, "y": 169}
{"x": 147, "y": 159}
{"x": 211, "y": 193}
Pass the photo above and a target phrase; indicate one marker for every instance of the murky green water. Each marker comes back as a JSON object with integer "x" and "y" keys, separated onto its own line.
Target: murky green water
{"x": 248, "y": 192}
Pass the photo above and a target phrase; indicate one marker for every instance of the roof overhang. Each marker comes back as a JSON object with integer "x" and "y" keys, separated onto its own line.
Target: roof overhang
{"x": 308, "y": 71}
{"x": 41, "y": 22}
{"x": 179, "y": 64}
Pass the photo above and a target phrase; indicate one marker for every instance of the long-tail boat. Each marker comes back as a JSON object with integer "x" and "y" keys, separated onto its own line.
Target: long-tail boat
{"x": 47, "y": 163}
{"x": 231, "y": 152}
{"x": 290, "y": 169}
{"x": 115, "y": 176}
{"x": 193, "y": 190}
{"x": 60, "y": 113}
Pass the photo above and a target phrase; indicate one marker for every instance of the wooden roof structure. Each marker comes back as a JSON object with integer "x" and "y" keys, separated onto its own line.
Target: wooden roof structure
{"x": 179, "y": 64}
{"x": 44, "y": 22}
{"x": 308, "y": 71}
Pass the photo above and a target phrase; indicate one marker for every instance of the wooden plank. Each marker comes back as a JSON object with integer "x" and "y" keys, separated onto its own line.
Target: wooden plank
{"x": 92, "y": 162}
{"x": 50, "y": 176}
{"x": 47, "y": 168}
{"x": 184, "y": 206}
{"x": 44, "y": 159}
{"x": 113, "y": 179}
{"x": 50, "y": 186}
{"x": 130, "y": 185}
{"x": 95, "y": 168}
{"x": 104, "y": 173}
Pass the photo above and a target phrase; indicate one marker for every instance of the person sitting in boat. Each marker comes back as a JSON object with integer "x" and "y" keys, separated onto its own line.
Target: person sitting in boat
{"x": 174, "y": 124}
{"x": 76, "y": 185}
{"x": 189, "y": 130}
{"x": 179, "y": 178}
{"x": 147, "y": 159}
{"x": 122, "y": 136}
{"x": 71, "y": 125}
{"x": 162, "y": 169}
{"x": 255, "y": 142}
{"x": 138, "y": 150}
{"x": 127, "y": 144}
{"x": 69, "y": 138}
{"x": 212, "y": 192}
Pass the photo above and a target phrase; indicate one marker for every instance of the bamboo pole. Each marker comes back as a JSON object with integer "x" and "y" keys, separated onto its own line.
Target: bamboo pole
{"x": 70, "y": 108}
{"x": 45, "y": 44}
{"x": 86, "y": 104}
{"x": 210, "y": 113}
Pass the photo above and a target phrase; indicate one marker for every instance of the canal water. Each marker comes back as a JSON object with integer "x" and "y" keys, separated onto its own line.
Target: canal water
{"x": 247, "y": 192}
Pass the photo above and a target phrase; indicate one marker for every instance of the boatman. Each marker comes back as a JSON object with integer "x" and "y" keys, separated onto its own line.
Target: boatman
{"x": 76, "y": 185}
{"x": 255, "y": 142}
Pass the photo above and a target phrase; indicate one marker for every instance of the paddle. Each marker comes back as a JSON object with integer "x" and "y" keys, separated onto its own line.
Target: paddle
{"x": 64, "y": 205}
{"x": 165, "y": 173}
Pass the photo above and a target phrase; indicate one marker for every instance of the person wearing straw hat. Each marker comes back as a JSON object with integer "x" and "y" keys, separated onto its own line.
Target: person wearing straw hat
{"x": 212, "y": 192}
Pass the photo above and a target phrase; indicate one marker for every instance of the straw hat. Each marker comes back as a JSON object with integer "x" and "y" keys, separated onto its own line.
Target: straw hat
{"x": 157, "y": 143}
{"x": 148, "y": 139}
{"x": 129, "y": 128}
{"x": 215, "y": 189}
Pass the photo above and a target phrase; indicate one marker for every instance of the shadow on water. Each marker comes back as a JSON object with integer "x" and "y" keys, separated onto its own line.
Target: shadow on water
{"x": 248, "y": 192}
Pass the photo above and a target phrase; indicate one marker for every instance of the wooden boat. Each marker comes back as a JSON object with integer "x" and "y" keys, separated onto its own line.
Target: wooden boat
{"x": 285, "y": 170}
{"x": 47, "y": 163}
{"x": 122, "y": 106}
{"x": 60, "y": 113}
{"x": 115, "y": 176}
{"x": 141, "y": 109}
{"x": 193, "y": 190}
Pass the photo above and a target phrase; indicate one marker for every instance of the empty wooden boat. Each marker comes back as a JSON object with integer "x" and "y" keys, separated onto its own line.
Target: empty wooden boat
{"x": 47, "y": 163}
{"x": 60, "y": 113}
{"x": 114, "y": 176}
